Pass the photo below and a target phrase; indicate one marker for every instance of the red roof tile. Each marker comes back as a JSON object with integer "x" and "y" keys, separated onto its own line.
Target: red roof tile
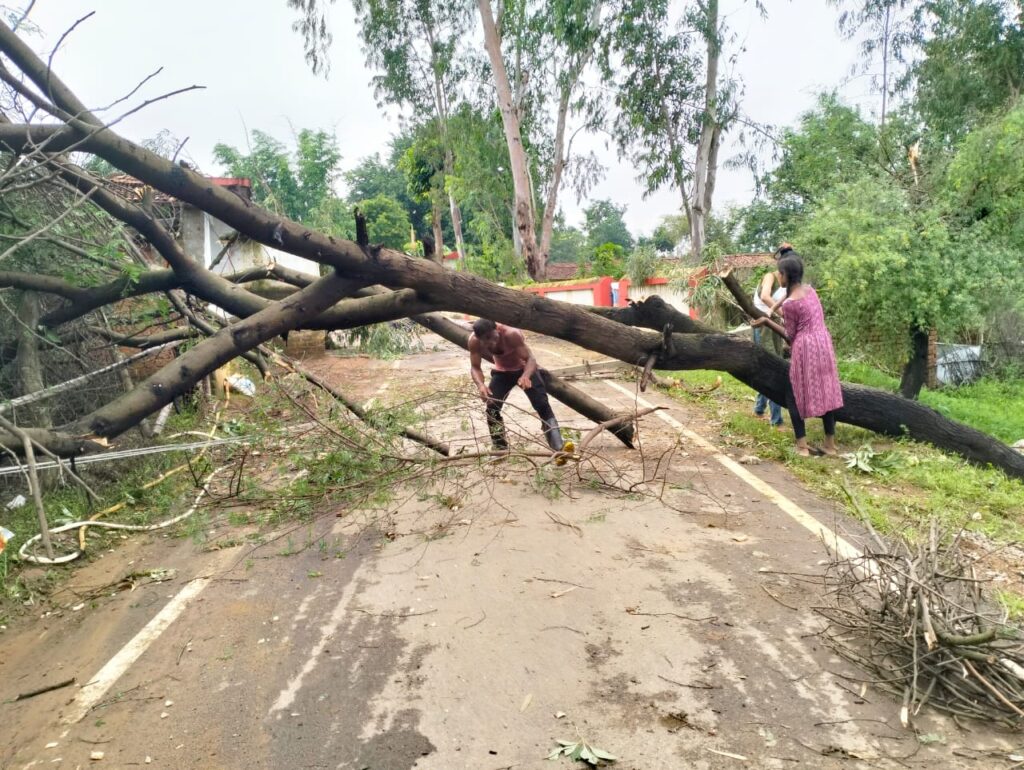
{"x": 741, "y": 261}
{"x": 560, "y": 271}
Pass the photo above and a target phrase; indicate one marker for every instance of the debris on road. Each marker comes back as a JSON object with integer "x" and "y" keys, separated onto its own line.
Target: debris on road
{"x": 915, "y": 618}
{"x": 581, "y": 751}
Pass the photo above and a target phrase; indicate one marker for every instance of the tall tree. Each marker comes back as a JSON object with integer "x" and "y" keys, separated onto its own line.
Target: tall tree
{"x": 534, "y": 49}
{"x": 673, "y": 105}
{"x": 958, "y": 60}
{"x": 604, "y": 223}
{"x": 889, "y": 34}
{"x": 413, "y": 45}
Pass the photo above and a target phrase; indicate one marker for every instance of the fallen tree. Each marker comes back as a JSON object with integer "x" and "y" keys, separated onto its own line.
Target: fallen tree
{"x": 649, "y": 334}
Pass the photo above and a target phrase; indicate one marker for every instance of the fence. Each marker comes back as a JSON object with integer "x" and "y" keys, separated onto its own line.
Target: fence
{"x": 606, "y": 292}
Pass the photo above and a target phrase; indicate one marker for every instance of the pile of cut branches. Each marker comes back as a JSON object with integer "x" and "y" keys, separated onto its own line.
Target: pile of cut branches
{"x": 916, "y": 619}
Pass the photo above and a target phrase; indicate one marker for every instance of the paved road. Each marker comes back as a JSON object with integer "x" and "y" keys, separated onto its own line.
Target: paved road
{"x": 672, "y": 632}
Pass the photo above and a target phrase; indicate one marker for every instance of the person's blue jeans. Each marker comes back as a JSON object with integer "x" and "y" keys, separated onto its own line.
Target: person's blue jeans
{"x": 775, "y": 411}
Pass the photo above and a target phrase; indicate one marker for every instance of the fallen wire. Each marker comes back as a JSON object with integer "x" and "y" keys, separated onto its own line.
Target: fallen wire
{"x": 918, "y": 622}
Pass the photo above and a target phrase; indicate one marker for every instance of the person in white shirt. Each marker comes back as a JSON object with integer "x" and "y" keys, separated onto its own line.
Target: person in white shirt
{"x": 765, "y": 300}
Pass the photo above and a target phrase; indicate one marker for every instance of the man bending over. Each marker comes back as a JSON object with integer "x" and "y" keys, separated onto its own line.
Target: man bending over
{"x": 514, "y": 364}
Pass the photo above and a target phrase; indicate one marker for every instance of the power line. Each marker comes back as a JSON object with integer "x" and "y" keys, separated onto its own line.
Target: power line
{"x": 128, "y": 453}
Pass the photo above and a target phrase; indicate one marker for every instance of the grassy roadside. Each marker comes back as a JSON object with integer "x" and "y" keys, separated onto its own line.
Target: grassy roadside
{"x": 21, "y": 583}
{"x": 905, "y": 484}
{"x": 908, "y": 483}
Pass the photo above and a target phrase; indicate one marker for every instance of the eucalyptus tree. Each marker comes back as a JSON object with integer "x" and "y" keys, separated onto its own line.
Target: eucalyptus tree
{"x": 536, "y": 50}
{"x": 673, "y": 104}
{"x": 416, "y": 48}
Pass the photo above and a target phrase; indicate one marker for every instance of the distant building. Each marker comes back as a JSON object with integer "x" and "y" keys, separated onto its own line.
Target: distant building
{"x": 208, "y": 240}
{"x": 203, "y": 237}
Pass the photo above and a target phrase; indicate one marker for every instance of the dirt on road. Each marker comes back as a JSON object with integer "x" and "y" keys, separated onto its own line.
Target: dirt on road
{"x": 659, "y": 607}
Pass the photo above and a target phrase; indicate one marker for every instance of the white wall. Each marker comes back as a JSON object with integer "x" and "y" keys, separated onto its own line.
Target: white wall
{"x": 573, "y": 296}
{"x": 202, "y": 234}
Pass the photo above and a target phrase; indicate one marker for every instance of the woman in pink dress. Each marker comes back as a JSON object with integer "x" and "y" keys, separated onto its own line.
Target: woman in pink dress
{"x": 813, "y": 377}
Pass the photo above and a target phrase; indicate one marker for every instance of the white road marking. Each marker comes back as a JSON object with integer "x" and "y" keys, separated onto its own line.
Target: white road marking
{"x": 841, "y": 546}
{"x": 327, "y": 631}
{"x": 91, "y": 693}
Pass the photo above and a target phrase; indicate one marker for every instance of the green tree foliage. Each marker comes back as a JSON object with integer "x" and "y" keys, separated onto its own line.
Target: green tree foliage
{"x": 984, "y": 182}
{"x": 480, "y": 178}
{"x": 956, "y": 61}
{"x": 831, "y": 145}
{"x": 642, "y": 263}
{"x": 568, "y": 244}
{"x": 387, "y": 222}
{"x": 292, "y": 183}
{"x": 372, "y": 177}
{"x": 492, "y": 255}
{"x": 604, "y": 224}
{"x": 670, "y": 232}
{"x": 422, "y": 164}
{"x": 656, "y": 68}
{"x": 609, "y": 259}
{"x": 972, "y": 65}
{"x": 883, "y": 268}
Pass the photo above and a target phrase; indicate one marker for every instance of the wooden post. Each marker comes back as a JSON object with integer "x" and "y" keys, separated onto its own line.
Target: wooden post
{"x": 33, "y": 483}
{"x": 932, "y": 380}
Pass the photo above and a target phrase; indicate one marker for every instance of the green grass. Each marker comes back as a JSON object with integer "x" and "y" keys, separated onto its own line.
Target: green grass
{"x": 992, "y": 406}
{"x": 923, "y": 482}
{"x": 68, "y": 503}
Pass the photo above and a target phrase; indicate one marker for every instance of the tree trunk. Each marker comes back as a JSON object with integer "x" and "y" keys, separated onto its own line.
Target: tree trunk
{"x": 707, "y": 150}
{"x": 435, "y": 224}
{"x": 518, "y": 163}
{"x": 27, "y": 364}
{"x": 547, "y": 226}
{"x": 915, "y": 373}
{"x": 457, "y": 334}
{"x": 185, "y": 371}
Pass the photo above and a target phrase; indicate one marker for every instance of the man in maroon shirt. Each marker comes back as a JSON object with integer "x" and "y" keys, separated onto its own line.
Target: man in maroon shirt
{"x": 514, "y": 364}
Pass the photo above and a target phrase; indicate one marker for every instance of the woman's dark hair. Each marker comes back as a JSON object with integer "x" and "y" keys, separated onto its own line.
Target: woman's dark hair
{"x": 792, "y": 267}
{"x": 483, "y": 326}
{"x": 784, "y": 250}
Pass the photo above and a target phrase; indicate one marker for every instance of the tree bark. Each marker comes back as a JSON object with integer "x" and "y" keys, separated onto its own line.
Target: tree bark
{"x": 28, "y": 365}
{"x": 915, "y": 372}
{"x": 707, "y": 149}
{"x": 458, "y": 335}
{"x": 185, "y": 371}
{"x": 518, "y": 162}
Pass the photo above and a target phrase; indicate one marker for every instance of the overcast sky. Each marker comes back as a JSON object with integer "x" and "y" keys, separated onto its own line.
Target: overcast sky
{"x": 250, "y": 62}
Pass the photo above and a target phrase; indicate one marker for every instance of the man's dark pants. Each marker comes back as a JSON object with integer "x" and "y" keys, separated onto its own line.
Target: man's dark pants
{"x": 501, "y": 385}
